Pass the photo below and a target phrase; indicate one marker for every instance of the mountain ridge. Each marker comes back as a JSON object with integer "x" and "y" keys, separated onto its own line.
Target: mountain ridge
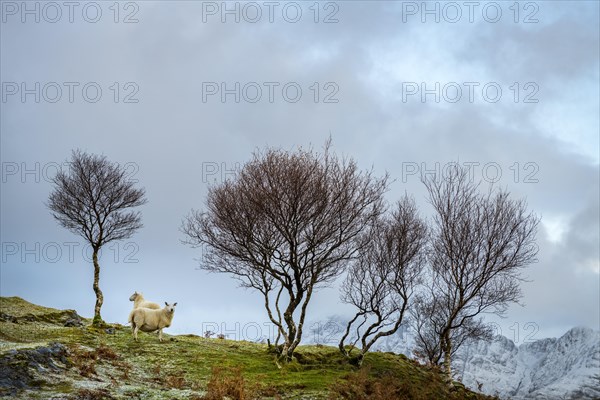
{"x": 567, "y": 367}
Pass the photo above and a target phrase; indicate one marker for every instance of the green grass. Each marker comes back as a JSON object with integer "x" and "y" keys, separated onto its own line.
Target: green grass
{"x": 181, "y": 366}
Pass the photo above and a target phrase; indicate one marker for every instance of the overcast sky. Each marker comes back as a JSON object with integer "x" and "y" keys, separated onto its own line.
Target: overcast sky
{"x": 180, "y": 93}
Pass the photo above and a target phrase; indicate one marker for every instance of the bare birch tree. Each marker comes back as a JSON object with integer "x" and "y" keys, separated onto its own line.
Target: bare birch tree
{"x": 92, "y": 199}
{"x": 285, "y": 226}
{"x": 381, "y": 281}
{"x": 480, "y": 244}
{"x": 429, "y": 318}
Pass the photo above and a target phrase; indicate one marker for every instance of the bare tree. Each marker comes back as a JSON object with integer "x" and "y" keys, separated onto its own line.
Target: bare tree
{"x": 428, "y": 319}
{"x": 382, "y": 279}
{"x": 480, "y": 243}
{"x": 285, "y": 226}
{"x": 91, "y": 199}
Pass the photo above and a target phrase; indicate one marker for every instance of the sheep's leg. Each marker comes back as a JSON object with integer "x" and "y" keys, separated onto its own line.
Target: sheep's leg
{"x": 135, "y": 332}
{"x": 160, "y": 335}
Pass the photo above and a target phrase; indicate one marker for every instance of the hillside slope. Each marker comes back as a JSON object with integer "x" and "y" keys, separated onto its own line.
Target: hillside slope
{"x": 54, "y": 354}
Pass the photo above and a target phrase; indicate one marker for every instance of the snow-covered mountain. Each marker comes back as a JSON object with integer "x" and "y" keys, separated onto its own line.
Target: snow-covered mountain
{"x": 549, "y": 369}
{"x": 563, "y": 368}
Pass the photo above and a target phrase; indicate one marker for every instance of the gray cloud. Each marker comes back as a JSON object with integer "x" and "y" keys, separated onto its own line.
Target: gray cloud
{"x": 171, "y": 136}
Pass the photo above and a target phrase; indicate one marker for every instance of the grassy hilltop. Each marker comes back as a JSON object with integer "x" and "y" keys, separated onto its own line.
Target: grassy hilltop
{"x": 55, "y": 354}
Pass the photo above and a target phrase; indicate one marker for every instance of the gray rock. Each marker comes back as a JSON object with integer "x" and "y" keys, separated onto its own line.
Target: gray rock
{"x": 72, "y": 318}
{"x": 73, "y": 322}
{"x": 18, "y": 367}
{"x": 8, "y": 318}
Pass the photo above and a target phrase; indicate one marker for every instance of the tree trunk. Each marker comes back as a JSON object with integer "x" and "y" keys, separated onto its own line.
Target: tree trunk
{"x": 288, "y": 349}
{"x": 341, "y": 345}
{"x": 99, "y": 296}
{"x": 359, "y": 359}
{"x": 292, "y": 347}
{"x": 447, "y": 360}
{"x": 295, "y": 331}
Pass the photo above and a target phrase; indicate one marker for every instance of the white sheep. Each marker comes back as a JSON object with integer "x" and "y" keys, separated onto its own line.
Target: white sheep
{"x": 149, "y": 320}
{"x": 139, "y": 301}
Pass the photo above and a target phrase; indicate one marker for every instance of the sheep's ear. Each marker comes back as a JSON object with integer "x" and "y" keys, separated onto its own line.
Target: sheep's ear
{"x": 166, "y": 304}
{"x": 174, "y": 304}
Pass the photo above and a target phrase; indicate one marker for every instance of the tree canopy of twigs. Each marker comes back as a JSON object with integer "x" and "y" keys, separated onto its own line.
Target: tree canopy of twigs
{"x": 285, "y": 226}
{"x": 480, "y": 243}
{"x": 382, "y": 279}
{"x": 93, "y": 198}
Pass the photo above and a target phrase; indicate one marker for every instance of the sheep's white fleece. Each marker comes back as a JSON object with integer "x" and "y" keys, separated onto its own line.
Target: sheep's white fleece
{"x": 139, "y": 301}
{"x": 149, "y": 320}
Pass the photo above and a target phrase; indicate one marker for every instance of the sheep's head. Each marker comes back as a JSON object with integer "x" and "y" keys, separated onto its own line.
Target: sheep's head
{"x": 170, "y": 307}
{"x": 134, "y": 296}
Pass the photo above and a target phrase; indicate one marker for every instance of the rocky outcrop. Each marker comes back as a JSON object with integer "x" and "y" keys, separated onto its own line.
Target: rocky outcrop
{"x": 23, "y": 369}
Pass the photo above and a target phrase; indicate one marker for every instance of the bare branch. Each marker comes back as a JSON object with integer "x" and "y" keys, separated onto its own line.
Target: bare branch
{"x": 93, "y": 199}
{"x": 382, "y": 279}
{"x": 480, "y": 243}
{"x": 292, "y": 217}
